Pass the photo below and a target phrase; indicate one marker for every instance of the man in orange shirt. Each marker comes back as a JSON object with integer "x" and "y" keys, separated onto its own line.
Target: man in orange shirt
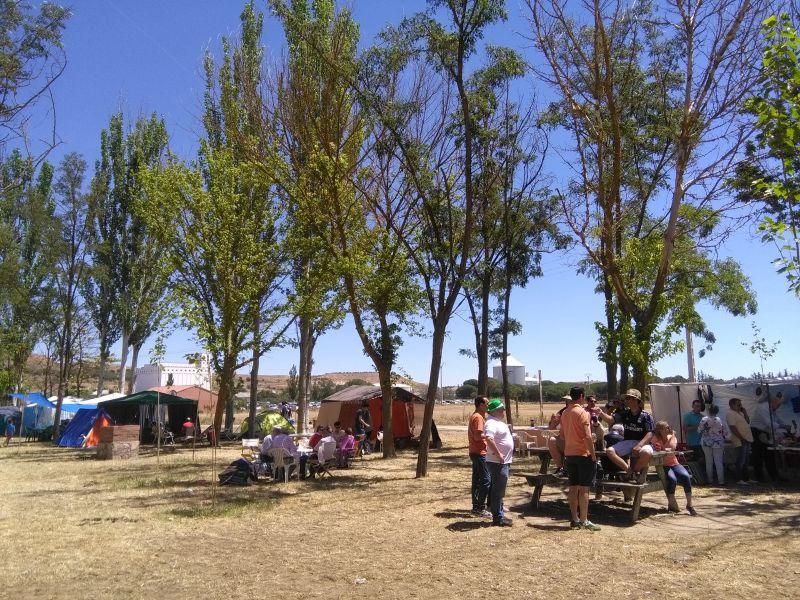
{"x": 477, "y": 454}
{"x": 579, "y": 459}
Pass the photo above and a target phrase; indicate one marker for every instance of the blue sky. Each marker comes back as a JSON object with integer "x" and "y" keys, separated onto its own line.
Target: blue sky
{"x": 141, "y": 56}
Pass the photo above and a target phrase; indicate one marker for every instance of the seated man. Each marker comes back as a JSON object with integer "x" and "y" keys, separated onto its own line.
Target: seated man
{"x": 598, "y": 431}
{"x": 282, "y": 440}
{"x": 266, "y": 444}
{"x": 555, "y": 418}
{"x": 638, "y": 429}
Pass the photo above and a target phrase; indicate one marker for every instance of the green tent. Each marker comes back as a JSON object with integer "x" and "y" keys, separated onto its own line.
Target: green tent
{"x": 265, "y": 421}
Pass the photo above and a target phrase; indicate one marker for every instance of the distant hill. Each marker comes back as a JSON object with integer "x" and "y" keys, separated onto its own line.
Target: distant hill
{"x": 279, "y": 382}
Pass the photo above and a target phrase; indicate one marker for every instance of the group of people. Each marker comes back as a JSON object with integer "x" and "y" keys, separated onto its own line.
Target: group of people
{"x": 629, "y": 446}
{"x": 706, "y": 436}
{"x": 325, "y": 443}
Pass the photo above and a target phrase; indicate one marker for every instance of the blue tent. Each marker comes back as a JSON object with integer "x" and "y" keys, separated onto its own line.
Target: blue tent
{"x": 39, "y": 411}
{"x": 80, "y": 426}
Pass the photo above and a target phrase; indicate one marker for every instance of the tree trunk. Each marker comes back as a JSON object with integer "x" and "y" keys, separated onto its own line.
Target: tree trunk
{"x": 134, "y": 364}
{"x": 123, "y": 361}
{"x": 504, "y": 358}
{"x": 387, "y": 446}
{"x": 304, "y": 373}
{"x": 251, "y": 427}
{"x": 225, "y": 387}
{"x": 611, "y": 354}
{"x": 101, "y": 367}
{"x": 430, "y": 398}
{"x": 483, "y": 347}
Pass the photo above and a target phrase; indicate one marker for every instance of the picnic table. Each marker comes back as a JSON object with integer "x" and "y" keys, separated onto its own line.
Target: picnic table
{"x": 632, "y": 490}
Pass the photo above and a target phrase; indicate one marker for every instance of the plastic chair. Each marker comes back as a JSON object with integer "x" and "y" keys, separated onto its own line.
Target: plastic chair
{"x": 281, "y": 459}
{"x": 250, "y": 447}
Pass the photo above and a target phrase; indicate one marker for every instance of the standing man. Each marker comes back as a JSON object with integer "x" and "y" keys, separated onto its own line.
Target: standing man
{"x": 691, "y": 436}
{"x": 741, "y": 438}
{"x": 477, "y": 454}
{"x": 499, "y": 452}
{"x": 579, "y": 459}
{"x": 765, "y": 426}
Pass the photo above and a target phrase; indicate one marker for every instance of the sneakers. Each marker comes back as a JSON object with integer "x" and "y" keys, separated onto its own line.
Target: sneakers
{"x": 560, "y": 472}
{"x": 574, "y": 524}
{"x": 691, "y": 511}
{"x": 742, "y": 482}
{"x": 482, "y": 512}
{"x": 589, "y": 526}
{"x": 504, "y": 522}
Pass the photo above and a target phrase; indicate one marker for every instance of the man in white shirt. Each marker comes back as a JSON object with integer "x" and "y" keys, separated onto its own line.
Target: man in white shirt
{"x": 499, "y": 452}
{"x": 766, "y": 426}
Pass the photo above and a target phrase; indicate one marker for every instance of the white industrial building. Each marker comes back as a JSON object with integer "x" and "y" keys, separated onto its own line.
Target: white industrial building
{"x": 173, "y": 374}
{"x": 517, "y": 374}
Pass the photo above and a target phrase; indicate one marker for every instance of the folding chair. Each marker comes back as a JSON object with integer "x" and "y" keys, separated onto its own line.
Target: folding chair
{"x": 325, "y": 461}
{"x": 281, "y": 459}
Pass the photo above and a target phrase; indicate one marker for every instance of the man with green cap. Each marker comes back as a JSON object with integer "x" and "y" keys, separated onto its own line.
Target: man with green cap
{"x": 499, "y": 451}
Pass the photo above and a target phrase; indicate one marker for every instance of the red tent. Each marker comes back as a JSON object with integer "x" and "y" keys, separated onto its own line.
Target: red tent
{"x": 342, "y": 406}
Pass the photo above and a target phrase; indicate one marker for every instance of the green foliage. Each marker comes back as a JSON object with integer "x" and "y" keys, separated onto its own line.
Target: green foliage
{"x": 771, "y": 175}
{"x": 28, "y": 227}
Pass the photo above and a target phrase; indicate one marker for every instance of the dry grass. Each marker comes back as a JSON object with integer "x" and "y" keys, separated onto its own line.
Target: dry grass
{"x": 127, "y": 529}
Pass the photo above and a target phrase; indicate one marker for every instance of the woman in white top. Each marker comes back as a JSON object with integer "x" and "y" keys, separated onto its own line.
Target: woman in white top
{"x": 712, "y": 438}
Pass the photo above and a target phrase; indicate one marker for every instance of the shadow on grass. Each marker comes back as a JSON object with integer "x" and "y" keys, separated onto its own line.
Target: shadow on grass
{"x": 455, "y": 513}
{"x": 614, "y": 513}
{"x": 463, "y": 526}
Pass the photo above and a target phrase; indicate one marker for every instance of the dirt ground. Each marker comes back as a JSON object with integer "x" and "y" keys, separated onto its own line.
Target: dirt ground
{"x": 75, "y": 527}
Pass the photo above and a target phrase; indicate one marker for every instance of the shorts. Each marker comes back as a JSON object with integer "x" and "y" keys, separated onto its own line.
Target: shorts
{"x": 625, "y": 447}
{"x": 580, "y": 470}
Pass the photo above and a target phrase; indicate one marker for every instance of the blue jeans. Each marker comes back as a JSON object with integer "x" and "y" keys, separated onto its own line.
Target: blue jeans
{"x": 480, "y": 481}
{"x": 742, "y": 460}
{"x": 676, "y": 474}
{"x": 499, "y": 474}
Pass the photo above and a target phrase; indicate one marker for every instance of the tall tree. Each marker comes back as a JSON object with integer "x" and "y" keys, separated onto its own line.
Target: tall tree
{"x": 128, "y": 257}
{"x": 654, "y": 117}
{"x": 70, "y": 269}
{"x": 433, "y": 117}
{"x": 27, "y": 260}
{"x": 310, "y": 92}
{"x": 225, "y": 242}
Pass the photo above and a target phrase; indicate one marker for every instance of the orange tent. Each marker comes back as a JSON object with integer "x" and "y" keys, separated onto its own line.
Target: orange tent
{"x": 343, "y": 405}
{"x": 93, "y": 438}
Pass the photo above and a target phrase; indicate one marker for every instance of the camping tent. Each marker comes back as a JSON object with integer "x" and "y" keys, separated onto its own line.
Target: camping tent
{"x": 84, "y": 428}
{"x": 670, "y": 401}
{"x": 265, "y": 421}
{"x": 39, "y": 412}
{"x": 141, "y": 408}
{"x": 342, "y": 406}
{"x": 9, "y": 412}
{"x": 206, "y": 399}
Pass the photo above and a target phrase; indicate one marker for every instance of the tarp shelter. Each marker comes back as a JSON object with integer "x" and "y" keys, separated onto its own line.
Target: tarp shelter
{"x": 39, "y": 412}
{"x": 407, "y": 407}
{"x": 206, "y": 399}
{"x": 265, "y": 421}
{"x": 140, "y": 409}
{"x": 670, "y": 401}
{"x": 83, "y": 430}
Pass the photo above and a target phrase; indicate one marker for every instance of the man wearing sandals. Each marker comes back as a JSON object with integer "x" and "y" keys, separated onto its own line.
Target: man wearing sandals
{"x": 638, "y": 425}
{"x": 579, "y": 459}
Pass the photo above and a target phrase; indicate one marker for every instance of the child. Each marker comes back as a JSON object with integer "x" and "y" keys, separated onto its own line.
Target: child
{"x": 713, "y": 433}
{"x": 664, "y": 440}
{"x": 11, "y": 429}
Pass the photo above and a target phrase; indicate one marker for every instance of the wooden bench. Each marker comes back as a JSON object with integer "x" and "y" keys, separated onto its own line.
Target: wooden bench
{"x": 632, "y": 491}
